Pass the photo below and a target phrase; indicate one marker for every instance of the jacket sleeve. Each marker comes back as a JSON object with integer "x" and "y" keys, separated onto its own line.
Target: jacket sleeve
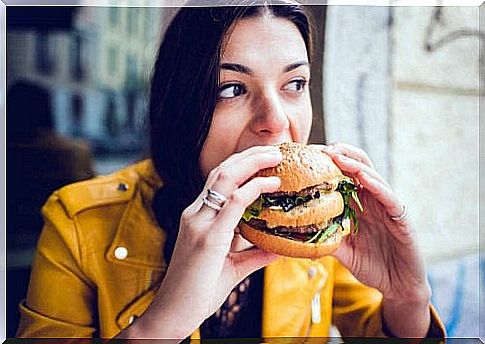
{"x": 61, "y": 300}
{"x": 357, "y": 309}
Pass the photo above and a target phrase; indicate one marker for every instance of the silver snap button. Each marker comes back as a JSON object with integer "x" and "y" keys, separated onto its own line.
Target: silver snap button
{"x": 312, "y": 271}
{"x": 121, "y": 253}
{"x": 122, "y": 187}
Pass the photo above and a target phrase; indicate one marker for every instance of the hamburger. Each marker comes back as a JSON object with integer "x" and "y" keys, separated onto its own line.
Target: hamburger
{"x": 310, "y": 213}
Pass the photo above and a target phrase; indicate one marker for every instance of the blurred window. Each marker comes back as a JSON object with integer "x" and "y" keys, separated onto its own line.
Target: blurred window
{"x": 114, "y": 16}
{"x": 113, "y": 60}
{"x": 76, "y": 63}
{"x": 44, "y": 53}
{"x": 132, "y": 21}
{"x": 148, "y": 22}
{"x": 111, "y": 124}
{"x": 77, "y": 114}
{"x": 131, "y": 70}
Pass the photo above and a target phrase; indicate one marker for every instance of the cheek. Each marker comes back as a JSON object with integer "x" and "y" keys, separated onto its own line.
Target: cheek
{"x": 302, "y": 121}
{"x": 221, "y": 142}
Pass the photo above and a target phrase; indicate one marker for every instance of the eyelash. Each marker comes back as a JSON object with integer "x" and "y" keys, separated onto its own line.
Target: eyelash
{"x": 227, "y": 86}
{"x": 301, "y": 82}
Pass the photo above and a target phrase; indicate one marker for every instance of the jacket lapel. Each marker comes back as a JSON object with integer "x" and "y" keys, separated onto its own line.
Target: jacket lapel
{"x": 137, "y": 232}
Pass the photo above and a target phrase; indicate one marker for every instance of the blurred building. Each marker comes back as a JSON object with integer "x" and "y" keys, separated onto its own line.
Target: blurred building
{"x": 96, "y": 71}
{"x": 95, "y": 64}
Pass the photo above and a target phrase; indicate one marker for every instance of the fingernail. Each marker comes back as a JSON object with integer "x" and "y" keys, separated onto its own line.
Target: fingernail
{"x": 275, "y": 180}
{"x": 270, "y": 149}
{"x": 342, "y": 157}
{"x": 277, "y": 153}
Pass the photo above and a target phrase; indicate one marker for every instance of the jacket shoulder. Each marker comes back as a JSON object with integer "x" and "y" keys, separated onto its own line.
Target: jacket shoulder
{"x": 115, "y": 188}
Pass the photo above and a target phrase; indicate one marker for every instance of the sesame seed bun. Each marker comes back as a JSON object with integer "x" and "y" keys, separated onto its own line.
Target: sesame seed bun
{"x": 302, "y": 167}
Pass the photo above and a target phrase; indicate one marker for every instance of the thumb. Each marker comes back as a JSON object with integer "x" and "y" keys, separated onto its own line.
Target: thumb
{"x": 344, "y": 254}
{"x": 244, "y": 263}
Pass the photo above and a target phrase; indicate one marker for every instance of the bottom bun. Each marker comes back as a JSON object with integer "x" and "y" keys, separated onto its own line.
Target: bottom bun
{"x": 287, "y": 247}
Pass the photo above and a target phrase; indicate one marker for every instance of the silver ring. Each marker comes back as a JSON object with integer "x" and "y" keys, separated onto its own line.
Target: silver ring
{"x": 216, "y": 197}
{"x": 214, "y": 200}
{"x": 211, "y": 205}
{"x": 402, "y": 216}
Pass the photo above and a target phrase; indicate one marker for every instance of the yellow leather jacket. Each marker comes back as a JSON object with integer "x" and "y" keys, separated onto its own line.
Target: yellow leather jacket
{"x": 99, "y": 263}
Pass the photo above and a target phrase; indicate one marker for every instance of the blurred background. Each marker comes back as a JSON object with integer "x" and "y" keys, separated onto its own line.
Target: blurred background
{"x": 400, "y": 82}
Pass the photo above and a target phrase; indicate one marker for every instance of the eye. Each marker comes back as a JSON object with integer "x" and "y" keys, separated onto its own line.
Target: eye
{"x": 231, "y": 91}
{"x": 296, "y": 85}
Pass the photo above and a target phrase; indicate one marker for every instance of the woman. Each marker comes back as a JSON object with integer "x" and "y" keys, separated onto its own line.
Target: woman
{"x": 228, "y": 82}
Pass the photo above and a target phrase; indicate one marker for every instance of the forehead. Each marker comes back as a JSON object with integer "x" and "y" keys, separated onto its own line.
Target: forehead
{"x": 264, "y": 38}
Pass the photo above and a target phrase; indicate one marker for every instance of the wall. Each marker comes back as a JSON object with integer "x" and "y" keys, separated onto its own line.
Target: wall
{"x": 403, "y": 83}
{"x": 434, "y": 126}
{"x": 415, "y": 112}
{"x": 434, "y": 149}
{"x": 356, "y": 79}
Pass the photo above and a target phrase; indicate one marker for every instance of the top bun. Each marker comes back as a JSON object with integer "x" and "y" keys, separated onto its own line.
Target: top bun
{"x": 302, "y": 167}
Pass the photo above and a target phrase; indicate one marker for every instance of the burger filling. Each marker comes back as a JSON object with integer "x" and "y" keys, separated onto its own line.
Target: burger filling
{"x": 314, "y": 233}
{"x": 287, "y": 201}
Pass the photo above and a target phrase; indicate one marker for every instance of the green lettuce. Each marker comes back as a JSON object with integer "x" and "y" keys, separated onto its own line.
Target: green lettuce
{"x": 253, "y": 210}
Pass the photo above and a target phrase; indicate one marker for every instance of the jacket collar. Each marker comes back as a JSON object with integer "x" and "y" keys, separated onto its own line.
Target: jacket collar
{"x": 138, "y": 231}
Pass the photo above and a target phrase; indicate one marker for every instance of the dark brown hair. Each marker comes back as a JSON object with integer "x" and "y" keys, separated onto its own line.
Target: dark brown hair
{"x": 183, "y": 96}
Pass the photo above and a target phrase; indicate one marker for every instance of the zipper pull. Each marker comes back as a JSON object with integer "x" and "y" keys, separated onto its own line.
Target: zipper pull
{"x": 316, "y": 308}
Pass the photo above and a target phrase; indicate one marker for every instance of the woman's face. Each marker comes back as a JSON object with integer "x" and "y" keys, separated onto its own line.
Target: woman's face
{"x": 263, "y": 92}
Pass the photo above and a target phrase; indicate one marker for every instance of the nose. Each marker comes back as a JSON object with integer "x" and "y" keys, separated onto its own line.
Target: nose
{"x": 270, "y": 116}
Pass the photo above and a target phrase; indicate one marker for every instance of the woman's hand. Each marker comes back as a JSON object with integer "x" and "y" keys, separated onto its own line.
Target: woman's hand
{"x": 204, "y": 268}
{"x": 383, "y": 254}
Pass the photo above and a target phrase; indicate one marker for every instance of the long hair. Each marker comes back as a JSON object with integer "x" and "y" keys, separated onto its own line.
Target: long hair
{"x": 183, "y": 95}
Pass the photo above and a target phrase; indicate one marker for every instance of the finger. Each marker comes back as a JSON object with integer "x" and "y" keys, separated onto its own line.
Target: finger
{"x": 343, "y": 254}
{"x": 244, "y": 263}
{"x": 350, "y": 151}
{"x": 242, "y": 198}
{"x": 239, "y": 243}
{"x": 234, "y": 171}
{"x": 247, "y": 154}
{"x": 239, "y": 167}
{"x": 198, "y": 203}
{"x": 352, "y": 167}
{"x": 382, "y": 193}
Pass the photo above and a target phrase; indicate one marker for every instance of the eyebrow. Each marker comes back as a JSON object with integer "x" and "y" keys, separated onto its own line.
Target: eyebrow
{"x": 235, "y": 67}
{"x": 295, "y": 66}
